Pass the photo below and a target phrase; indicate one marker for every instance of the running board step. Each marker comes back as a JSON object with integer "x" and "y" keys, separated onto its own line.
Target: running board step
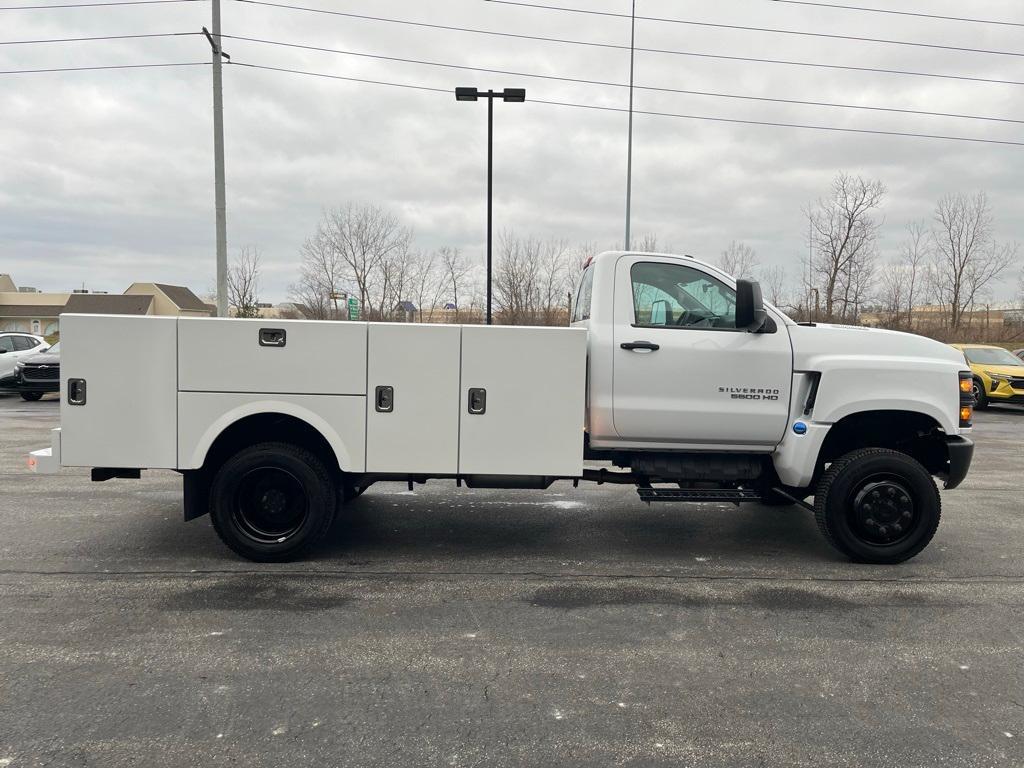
{"x": 732, "y": 495}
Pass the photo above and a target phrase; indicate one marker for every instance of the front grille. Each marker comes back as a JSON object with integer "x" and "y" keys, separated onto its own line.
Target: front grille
{"x": 1017, "y": 383}
{"x": 41, "y": 373}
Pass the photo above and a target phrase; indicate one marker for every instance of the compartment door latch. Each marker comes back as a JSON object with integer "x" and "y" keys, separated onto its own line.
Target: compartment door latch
{"x": 76, "y": 391}
{"x": 477, "y": 401}
{"x": 385, "y": 399}
{"x": 273, "y": 337}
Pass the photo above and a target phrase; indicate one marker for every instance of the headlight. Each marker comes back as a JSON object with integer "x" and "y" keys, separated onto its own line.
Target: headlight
{"x": 999, "y": 376}
{"x": 18, "y": 367}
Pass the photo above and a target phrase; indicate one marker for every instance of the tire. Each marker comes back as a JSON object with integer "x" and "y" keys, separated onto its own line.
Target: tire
{"x": 877, "y": 483}
{"x": 980, "y": 397}
{"x": 272, "y": 502}
{"x": 31, "y": 396}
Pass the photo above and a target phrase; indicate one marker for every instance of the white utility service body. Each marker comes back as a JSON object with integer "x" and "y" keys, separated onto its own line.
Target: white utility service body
{"x": 671, "y": 370}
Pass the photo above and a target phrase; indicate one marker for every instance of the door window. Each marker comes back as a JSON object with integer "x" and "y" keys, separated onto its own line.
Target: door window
{"x": 24, "y": 343}
{"x": 7, "y": 343}
{"x": 677, "y": 296}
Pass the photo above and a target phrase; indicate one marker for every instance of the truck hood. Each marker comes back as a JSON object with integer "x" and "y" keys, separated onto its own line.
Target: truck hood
{"x": 813, "y": 344}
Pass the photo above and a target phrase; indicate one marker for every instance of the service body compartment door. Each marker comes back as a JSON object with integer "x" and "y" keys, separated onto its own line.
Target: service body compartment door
{"x": 525, "y": 388}
{"x": 298, "y": 357}
{"x": 124, "y": 369}
{"x": 412, "y": 403}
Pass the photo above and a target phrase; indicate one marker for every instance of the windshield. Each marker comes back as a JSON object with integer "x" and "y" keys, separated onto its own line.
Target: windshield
{"x": 991, "y": 356}
{"x": 54, "y": 350}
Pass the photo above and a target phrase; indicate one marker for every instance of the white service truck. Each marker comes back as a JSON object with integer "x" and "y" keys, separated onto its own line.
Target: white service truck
{"x": 673, "y": 377}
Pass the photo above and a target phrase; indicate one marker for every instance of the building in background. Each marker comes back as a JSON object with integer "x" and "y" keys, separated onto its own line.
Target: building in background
{"x": 31, "y": 311}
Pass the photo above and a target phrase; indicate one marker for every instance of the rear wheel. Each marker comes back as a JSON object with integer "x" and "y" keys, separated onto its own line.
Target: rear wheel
{"x": 31, "y": 396}
{"x": 980, "y": 398}
{"x": 272, "y": 502}
{"x": 877, "y": 506}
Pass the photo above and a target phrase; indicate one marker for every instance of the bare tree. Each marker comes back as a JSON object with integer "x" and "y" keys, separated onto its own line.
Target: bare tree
{"x": 966, "y": 256}
{"x": 244, "y": 282}
{"x": 427, "y": 283}
{"x": 843, "y": 242}
{"x": 773, "y": 281}
{"x": 738, "y": 260}
{"x": 648, "y": 243}
{"x": 554, "y": 283}
{"x": 517, "y": 275}
{"x": 456, "y": 272}
{"x": 323, "y": 276}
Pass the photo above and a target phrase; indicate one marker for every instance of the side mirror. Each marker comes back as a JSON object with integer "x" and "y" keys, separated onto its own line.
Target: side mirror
{"x": 659, "y": 312}
{"x": 750, "y": 312}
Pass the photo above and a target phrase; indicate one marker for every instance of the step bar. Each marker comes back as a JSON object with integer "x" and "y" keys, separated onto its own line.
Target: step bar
{"x": 727, "y": 495}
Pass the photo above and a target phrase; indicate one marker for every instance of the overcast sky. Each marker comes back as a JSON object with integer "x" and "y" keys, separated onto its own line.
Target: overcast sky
{"x": 107, "y": 177}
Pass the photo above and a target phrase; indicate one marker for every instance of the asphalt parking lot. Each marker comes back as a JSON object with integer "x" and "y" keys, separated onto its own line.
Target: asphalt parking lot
{"x": 498, "y": 628}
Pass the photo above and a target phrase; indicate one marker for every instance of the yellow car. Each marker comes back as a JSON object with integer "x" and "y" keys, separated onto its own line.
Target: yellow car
{"x": 998, "y": 374}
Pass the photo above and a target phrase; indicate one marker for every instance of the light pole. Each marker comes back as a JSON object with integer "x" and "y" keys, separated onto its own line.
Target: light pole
{"x": 517, "y": 95}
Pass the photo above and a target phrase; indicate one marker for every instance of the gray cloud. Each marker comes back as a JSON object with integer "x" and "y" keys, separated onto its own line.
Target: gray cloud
{"x": 107, "y": 177}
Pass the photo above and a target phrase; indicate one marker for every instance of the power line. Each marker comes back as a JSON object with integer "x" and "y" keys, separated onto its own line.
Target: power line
{"x": 103, "y": 37}
{"x": 92, "y": 5}
{"x": 900, "y": 13}
{"x": 772, "y": 30}
{"x": 613, "y": 46}
{"x": 612, "y": 84}
{"x": 676, "y": 115}
{"x": 108, "y": 66}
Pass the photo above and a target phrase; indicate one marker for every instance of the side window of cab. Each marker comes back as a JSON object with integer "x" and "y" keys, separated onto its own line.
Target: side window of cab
{"x": 581, "y": 310}
{"x": 677, "y": 296}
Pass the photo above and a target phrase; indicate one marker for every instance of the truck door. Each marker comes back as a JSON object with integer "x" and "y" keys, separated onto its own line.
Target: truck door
{"x": 684, "y": 376}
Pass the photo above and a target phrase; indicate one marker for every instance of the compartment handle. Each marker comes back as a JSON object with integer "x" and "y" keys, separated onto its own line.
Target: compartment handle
{"x": 385, "y": 399}
{"x": 273, "y": 337}
{"x": 477, "y": 401}
{"x": 76, "y": 391}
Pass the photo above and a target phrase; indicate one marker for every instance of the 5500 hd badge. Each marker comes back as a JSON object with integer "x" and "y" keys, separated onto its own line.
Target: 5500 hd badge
{"x": 749, "y": 393}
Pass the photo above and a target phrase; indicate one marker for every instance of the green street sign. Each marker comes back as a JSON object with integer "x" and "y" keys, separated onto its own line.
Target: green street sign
{"x": 353, "y": 309}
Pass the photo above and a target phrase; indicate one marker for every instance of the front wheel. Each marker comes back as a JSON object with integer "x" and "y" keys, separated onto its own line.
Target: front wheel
{"x": 877, "y": 506}
{"x": 272, "y": 502}
{"x": 31, "y": 396}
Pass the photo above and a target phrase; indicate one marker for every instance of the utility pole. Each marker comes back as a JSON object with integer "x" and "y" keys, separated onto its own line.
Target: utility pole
{"x": 220, "y": 196}
{"x": 629, "y": 150}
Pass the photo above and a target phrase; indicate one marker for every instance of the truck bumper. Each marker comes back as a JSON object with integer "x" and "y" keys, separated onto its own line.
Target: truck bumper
{"x": 961, "y": 451}
{"x": 46, "y": 461}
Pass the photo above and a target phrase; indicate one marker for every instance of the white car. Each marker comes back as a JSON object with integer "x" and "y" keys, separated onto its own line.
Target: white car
{"x": 16, "y": 346}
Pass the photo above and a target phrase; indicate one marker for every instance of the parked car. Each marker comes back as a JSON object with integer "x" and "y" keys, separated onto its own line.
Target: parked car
{"x": 998, "y": 374}
{"x": 39, "y": 374}
{"x": 15, "y": 347}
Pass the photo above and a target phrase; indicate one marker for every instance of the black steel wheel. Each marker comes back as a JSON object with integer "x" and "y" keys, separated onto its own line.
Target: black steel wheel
{"x": 272, "y": 502}
{"x": 877, "y": 506}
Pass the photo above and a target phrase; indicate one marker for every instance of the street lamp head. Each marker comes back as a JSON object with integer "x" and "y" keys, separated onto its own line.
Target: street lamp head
{"x": 514, "y": 94}
{"x": 466, "y": 94}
